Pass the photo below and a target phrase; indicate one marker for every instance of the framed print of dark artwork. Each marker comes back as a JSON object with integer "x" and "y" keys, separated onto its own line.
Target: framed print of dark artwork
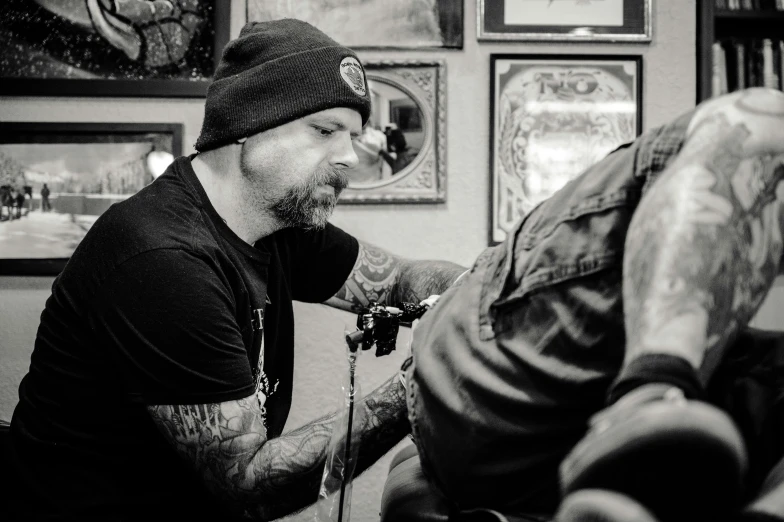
{"x": 564, "y": 20}
{"x": 374, "y": 24}
{"x": 111, "y": 47}
{"x": 57, "y": 178}
{"x": 553, "y": 116}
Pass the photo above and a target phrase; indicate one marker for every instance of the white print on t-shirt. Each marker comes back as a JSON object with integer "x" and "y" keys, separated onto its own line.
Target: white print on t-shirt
{"x": 263, "y": 388}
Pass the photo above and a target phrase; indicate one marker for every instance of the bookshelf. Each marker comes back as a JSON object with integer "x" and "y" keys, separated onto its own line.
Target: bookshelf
{"x": 750, "y": 27}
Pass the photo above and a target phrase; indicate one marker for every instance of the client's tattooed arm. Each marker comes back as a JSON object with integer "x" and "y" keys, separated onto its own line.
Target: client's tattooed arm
{"x": 705, "y": 243}
{"x": 387, "y": 279}
{"x": 265, "y": 479}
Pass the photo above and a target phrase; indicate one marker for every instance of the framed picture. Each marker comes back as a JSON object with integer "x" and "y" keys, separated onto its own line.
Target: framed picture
{"x": 564, "y": 20}
{"x": 57, "y": 178}
{"x": 374, "y": 24}
{"x": 110, "y": 47}
{"x": 402, "y": 150}
{"x": 553, "y": 116}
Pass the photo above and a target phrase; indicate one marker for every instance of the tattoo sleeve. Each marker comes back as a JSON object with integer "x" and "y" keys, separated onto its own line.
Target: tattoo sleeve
{"x": 705, "y": 243}
{"x": 386, "y": 279}
{"x": 266, "y": 479}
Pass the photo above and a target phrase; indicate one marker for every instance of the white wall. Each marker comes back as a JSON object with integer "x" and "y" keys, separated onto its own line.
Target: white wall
{"x": 455, "y": 230}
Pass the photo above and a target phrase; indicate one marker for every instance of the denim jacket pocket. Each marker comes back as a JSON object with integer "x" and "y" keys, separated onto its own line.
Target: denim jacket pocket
{"x": 493, "y": 267}
{"x": 582, "y": 240}
{"x": 581, "y": 229}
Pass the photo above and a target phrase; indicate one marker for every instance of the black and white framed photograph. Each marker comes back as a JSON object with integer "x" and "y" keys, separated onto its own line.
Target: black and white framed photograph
{"x": 374, "y": 24}
{"x": 553, "y": 116}
{"x": 564, "y": 20}
{"x": 402, "y": 149}
{"x": 111, "y": 47}
{"x": 57, "y": 178}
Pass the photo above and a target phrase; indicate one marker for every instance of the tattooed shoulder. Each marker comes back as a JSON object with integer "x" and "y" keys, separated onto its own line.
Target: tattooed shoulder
{"x": 756, "y": 114}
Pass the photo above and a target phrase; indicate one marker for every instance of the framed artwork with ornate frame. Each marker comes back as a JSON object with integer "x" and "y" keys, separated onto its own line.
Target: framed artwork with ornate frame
{"x": 402, "y": 150}
{"x": 564, "y": 20}
{"x": 374, "y": 24}
{"x": 553, "y": 116}
{"x": 57, "y": 178}
{"x": 110, "y": 47}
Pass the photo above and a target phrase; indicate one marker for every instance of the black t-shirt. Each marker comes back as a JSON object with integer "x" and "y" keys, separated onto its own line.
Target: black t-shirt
{"x": 161, "y": 303}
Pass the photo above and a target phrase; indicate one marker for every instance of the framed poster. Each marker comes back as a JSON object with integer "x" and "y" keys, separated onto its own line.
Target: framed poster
{"x": 110, "y": 47}
{"x": 57, "y": 178}
{"x": 553, "y": 116}
{"x": 564, "y": 20}
{"x": 374, "y": 24}
{"x": 402, "y": 149}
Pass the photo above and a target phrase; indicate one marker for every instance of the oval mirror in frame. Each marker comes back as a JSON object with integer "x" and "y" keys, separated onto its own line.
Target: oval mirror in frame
{"x": 401, "y": 150}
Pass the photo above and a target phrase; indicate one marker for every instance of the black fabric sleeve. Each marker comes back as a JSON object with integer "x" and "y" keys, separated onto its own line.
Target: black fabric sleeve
{"x": 322, "y": 263}
{"x": 166, "y": 319}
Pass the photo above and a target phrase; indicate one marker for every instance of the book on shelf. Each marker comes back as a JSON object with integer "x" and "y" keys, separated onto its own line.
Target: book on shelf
{"x": 781, "y": 63}
{"x": 770, "y": 76}
{"x": 719, "y": 79}
{"x": 749, "y": 5}
{"x": 739, "y": 63}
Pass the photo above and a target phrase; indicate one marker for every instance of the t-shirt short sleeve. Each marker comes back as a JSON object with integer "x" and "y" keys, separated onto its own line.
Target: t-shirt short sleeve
{"x": 321, "y": 263}
{"x": 167, "y": 320}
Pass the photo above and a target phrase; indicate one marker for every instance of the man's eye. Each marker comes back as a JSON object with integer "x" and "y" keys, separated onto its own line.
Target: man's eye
{"x": 323, "y": 131}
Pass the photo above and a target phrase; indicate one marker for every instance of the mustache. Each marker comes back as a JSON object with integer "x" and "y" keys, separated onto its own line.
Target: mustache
{"x": 334, "y": 177}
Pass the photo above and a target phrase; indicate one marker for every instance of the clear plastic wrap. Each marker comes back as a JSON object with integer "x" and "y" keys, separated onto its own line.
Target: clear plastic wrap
{"x": 334, "y": 501}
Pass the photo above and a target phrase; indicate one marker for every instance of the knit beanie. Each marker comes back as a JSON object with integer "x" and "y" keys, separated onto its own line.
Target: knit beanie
{"x": 276, "y": 72}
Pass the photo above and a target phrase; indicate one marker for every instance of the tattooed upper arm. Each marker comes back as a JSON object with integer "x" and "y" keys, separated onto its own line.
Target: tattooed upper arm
{"x": 758, "y": 111}
{"x": 219, "y": 440}
{"x": 387, "y": 279}
{"x": 373, "y": 278}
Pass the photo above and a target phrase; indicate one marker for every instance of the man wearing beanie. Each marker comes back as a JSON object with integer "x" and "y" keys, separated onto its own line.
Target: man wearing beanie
{"x": 161, "y": 377}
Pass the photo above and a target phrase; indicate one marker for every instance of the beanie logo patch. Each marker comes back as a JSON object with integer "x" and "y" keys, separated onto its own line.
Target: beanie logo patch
{"x": 352, "y": 73}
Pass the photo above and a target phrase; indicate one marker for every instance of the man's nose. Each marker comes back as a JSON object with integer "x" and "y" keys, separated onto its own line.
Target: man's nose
{"x": 344, "y": 154}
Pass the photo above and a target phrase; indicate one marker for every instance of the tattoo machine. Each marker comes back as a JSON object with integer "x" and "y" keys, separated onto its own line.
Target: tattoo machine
{"x": 376, "y": 325}
{"x": 379, "y": 325}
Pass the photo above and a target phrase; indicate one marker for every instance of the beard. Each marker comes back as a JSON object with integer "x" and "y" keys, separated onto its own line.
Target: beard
{"x": 302, "y": 207}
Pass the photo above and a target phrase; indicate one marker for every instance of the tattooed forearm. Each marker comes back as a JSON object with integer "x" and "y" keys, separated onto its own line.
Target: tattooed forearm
{"x": 381, "y": 277}
{"x": 292, "y": 478}
{"x": 268, "y": 479}
{"x": 386, "y": 422}
{"x": 705, "y": 243}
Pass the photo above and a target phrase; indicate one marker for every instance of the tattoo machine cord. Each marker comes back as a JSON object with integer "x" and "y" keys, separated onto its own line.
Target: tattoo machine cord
{"x": 376, "y": 325}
